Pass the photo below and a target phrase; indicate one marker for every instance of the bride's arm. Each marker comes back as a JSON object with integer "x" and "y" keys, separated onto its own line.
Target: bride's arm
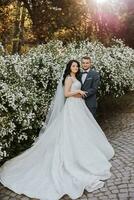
{"x": 67, "y": 88}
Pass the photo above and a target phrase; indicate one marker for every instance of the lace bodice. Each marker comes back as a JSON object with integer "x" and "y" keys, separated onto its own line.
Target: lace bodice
{"x": 76, "y": 85}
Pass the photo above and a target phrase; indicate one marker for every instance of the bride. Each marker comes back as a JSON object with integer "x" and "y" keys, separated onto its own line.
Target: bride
{"x": 71, "y": 153}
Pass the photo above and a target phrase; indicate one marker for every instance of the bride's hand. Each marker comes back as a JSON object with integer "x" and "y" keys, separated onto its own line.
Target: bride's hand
{"x": 78, "y": 95}
{"x": 83, "y": 93}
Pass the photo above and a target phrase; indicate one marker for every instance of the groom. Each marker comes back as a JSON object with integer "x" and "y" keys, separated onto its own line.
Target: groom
{"x": 90, "y": 80}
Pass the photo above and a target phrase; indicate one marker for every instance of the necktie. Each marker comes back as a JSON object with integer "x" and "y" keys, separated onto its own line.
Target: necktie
{"x": 85, "y": 72}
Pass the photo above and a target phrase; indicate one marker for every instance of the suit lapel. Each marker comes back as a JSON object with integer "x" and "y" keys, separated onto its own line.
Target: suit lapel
{"x": 86, "y": 77}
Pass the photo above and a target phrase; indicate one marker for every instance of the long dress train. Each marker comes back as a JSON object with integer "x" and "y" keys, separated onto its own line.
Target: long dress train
{"x": 72, "y": 155}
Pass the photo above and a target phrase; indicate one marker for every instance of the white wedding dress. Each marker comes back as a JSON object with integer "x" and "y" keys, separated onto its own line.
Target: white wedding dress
{"x": 72, "y": 155}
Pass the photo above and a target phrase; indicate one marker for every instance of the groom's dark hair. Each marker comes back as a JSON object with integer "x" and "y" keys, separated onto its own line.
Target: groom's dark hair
{"x": 86, "y": 57}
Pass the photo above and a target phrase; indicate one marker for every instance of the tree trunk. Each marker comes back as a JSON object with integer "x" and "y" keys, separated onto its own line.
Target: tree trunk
{"x": 18, "y": 28}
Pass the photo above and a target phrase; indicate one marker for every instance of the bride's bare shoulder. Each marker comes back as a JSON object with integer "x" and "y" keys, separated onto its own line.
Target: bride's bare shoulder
{"x": 69, "y": 78}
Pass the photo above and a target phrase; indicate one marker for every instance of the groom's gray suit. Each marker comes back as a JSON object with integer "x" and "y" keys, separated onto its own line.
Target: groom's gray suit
{"x": 90, "y": 85}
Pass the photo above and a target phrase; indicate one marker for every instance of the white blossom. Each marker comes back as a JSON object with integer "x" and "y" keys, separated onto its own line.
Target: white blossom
{"x": 28, "y": 82}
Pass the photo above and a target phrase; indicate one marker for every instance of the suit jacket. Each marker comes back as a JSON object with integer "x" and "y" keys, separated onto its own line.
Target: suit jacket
{"x": 90, "y": 85}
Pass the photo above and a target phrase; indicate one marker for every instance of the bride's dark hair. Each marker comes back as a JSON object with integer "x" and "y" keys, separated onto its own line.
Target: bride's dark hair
{"x": 68, "y": 70}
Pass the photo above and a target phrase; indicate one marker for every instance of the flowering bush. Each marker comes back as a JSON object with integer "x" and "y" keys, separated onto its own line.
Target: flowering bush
{"x": 28, "y": 82}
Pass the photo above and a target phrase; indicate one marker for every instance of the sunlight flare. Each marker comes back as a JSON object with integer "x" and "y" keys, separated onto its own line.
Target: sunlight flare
{"x": 101, "y": 1}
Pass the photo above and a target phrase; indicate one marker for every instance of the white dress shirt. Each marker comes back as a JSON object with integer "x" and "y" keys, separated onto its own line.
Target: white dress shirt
{"x": 84, "y": 75}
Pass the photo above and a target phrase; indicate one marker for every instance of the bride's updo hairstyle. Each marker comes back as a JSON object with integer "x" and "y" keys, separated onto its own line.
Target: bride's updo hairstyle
{"x": 68, "y": 70}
